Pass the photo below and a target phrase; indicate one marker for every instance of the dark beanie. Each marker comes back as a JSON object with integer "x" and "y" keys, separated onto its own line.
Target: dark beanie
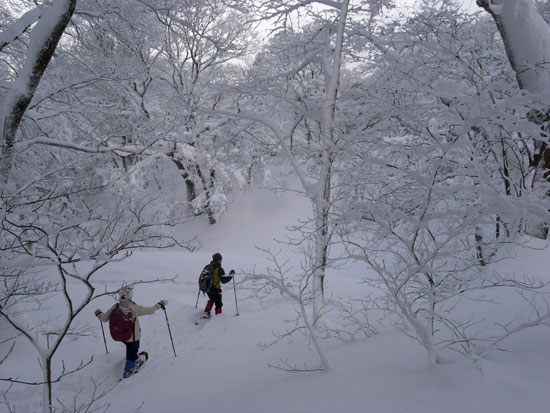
{"x": 217, "y": 257}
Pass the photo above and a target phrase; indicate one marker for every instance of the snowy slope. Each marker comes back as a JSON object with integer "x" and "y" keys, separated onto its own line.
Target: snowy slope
{"x": 220, "y": 366}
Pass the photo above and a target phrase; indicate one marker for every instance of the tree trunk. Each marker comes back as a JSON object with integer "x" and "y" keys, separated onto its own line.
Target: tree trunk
{"x": 192, "y": 189}
{"x": 46, "y": 362}
{"x": 479, "y": 247}
{"x": 323, "y": 197}
{"x": 43, "y": 41}
{"x": 532, "y": 72}
{"x": 189, "y": 184}
{"x": 527, "y": 54}
{"x": 207, "y": 185}
{"x": 321, "y": 251}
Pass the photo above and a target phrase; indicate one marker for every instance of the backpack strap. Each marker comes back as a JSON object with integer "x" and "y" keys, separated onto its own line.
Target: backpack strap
{"x": 133, "y": 324}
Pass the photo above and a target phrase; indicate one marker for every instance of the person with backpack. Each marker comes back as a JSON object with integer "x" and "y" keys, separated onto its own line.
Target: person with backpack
{"x": 215, "y": 291}
{"x": 124, "y": 326}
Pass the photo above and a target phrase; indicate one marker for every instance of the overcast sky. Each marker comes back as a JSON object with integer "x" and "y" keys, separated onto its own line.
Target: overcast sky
{"x": 467, "y": 4}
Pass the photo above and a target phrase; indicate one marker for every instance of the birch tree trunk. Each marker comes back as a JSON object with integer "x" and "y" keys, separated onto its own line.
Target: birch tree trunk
{"x": 43, "y": 41}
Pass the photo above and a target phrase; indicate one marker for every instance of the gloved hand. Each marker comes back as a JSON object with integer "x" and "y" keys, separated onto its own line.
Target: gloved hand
{"x": 231, "y": 272}
{"x": 162, "y": 304}
{"x": 98, "y": 313}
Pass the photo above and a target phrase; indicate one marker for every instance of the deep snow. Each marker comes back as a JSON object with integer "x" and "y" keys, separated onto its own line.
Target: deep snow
{"x": 220, "y": 366}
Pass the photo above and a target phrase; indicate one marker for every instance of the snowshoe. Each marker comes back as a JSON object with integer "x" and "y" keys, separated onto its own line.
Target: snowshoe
{"x": 204, "y": 316}
{"x": 143, "y": 357}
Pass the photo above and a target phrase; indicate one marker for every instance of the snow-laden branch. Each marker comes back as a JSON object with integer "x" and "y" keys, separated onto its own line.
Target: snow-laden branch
{"x": 387, "y": 50}
{"x": 43, "y": 41}
{"x": 280, "y": 136}
{"x": 525, "y": 35}
{"x": 21, "y": 25}
{"x": 169, "y": 16}
{"x": 276, "y": 278}
{"x": 98, "y": 237}
{"x": 121, "y": 150}
{"x": 284, "y": 8}
{"x": 542, "y": 319}
{"x": 40, "y": 96}
{"x": 64, "y": 373}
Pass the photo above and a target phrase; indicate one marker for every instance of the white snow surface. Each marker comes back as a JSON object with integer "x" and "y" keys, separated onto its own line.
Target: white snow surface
{"x": 220, "y": 366}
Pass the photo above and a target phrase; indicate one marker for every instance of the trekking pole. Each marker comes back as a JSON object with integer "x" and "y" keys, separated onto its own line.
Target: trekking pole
{"x": 169, "y": 331}
{"x": 198, "y": 294}
{"x": 235, "y": 291}
{"x": 104, "y": 341}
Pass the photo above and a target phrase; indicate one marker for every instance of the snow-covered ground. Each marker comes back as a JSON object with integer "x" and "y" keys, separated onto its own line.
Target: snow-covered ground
{"x": 222, "y": 367}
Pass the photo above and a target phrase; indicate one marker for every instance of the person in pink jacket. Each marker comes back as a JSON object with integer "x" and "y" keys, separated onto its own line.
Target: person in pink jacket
{"x": 126, "y": 304}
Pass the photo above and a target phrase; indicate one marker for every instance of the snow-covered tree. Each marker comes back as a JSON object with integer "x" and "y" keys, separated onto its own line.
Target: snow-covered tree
{"x": 50, "y": 254}
{"x": 427, "y": 181}
{"x": 525, "y": 35}
{"x": 67, "y": 210}
{"x": 200, "y": 45}
{"x": 301, "y": 84}
{"x": 52, "y": 19}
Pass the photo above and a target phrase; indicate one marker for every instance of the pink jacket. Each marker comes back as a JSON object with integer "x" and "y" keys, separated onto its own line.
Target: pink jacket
{"x": 137, "y": 310}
